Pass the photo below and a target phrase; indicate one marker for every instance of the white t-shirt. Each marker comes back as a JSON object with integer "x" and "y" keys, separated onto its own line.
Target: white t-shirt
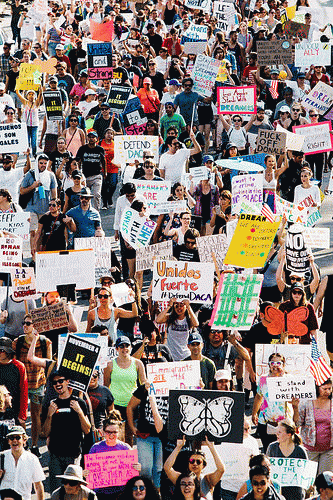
{"x": 85, "y": 107}
{"x": 305, "y": 197}
{"x": 21, "y": 477}
{"x": 11, "y": 180}
{"x": 174, "y": 165}
{"x": 162, "y": 64}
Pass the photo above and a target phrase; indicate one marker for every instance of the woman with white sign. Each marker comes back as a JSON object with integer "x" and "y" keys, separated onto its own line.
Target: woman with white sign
{"x": 307, "y": 195}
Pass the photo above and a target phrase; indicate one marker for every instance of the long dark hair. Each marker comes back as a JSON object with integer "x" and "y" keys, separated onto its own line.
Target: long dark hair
{"x": 173, "y": 316}
{"x": 178, "y": 495}
{"x": 151, "y": 491}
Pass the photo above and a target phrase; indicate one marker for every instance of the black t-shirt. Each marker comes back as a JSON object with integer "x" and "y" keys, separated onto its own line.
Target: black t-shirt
{"x": 119, "y": 76}
{"x": 156, "y": 42}
{"x": 194, "y": 160}
{"x": 66, "y": 433}
{"x": 258, "y": 334}
{"x": 181, "y": 252}
{"x": 53, "y": 232}
{"x": 291, "y": 178}
{"x": 101, "y": 398}
{"x": 92, "y": 159}
{"x": 56, "y": 158}
{"x": 12, "y": 76}
{"x": 134, "y": 70}
{"x": 146, "y": 419}
{"x": 100, "y": 125}
{"x": 158, "y": 353}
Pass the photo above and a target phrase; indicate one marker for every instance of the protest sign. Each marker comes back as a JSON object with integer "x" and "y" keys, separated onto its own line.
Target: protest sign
{"x": 289, "y": 210}
{"x": 194, "y": 32}
{"x": 128, "y": 149}
{"x": 53, "y": 105}
{"x": 13, "y": 137}
{"x": 312, "y": 53}
{"x": 236, "y": 301}
{"x": 198, "y": 174}
{"x": 194, "y": 47}
{"x": 110, "y": 468}
{"x": 225, "y": 15}
{"x": 49, "y": 317}
{"x": 251, "y": 242}
{"x": 134, "y": 118}
{"x": 317, "y": 237}
{"x": 171, "y": 206}
{"x": 297, "y": 259}
{"x": 154, "y": 192}
{"x": 291, "y": 386}
{"x": 319, "y": 98}
{"x": 102, "y": 250}
{"x": 183, "y": 280}
{"x": 313, "y": 218}
{"x": 24, "y": 283}
{"x": 101, "y": 32}
{"x": 99, "y": 60}
{"x": 38, "y": 11}
{"x": 218, "y": 415}
{"x": 258, "y": 159}
{"x": 274, "y": 52}
{"x": 236, "y": 100}
{"x": 198, "y": 4}
{"x": 10, "y": 254}
{"x": 64, "y": 267}
{"x": 174, "y": 375}
{"x": 145, "y": 256}
{"x": 294, "y": 142}
{"x": 100, "y": 340}
{"x": 247, "y": 188}
{"x": 204, "y": 74}
{"x": 271, "y": 142}
{"x": 293, "y": 472}
{"x": 118, "y": 98}
{"x": 136, "y": 230}
{"x": 16, "y": 223}
{"x": 317, "y": 137}
{"x": 214, "y": 244}
{"x": 296, "y": 29}
{"x": 78, "y": 362}
{"x": 121, "y": 294}
{"x": 30, "y": 77}
{"x": 297, "y": 357}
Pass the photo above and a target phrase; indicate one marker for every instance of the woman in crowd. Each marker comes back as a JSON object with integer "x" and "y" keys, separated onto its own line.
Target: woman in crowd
{"x": 206, "y": 195}
{"x": 72, "y": 193}
{"x": 111, "y": 180}
{"x": 149, "y": 99}
{"x": 129, "y": 326}
{"x": 218, "y": 219}
{"x": 271, "y": 178}
{"x": 30, "y": 105}
{"x": 307, "y": 194}
{"x": 73, "y": 135}
{"x": 139, "y": 488}
{"x": 177, "y": 233}
{"x": 263, "y": 460}
{"x": 261, "y": 485}
{"x": 6, "y": 202}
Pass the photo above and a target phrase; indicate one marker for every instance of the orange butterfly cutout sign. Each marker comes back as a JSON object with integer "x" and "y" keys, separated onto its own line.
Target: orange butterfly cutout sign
{"x": 283, "y": 322}
{"x": 48, "y": 66}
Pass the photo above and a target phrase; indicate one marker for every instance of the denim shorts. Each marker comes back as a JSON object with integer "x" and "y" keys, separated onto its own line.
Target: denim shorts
{"x": 36, "y": 395}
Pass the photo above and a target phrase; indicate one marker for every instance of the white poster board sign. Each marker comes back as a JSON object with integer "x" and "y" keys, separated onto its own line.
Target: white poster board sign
{"x": 136, "y": 230}
{"x": 293, "y": 472}
{"x": 154, "y": 192}
{"x": 247, "y": 188}
{"x": 173, "y": 375}
{"x": 13, "y": 137}
{"x": 288, "y": 387}
{"x": 204, "y": 74}
{"x": 16, "y": 223}
{"x": 24, "y": 283}
{"x": 121, "y": 294}
{"x": 216, "y": 244}
{"x": 297, "y": 358}
{"x": 128, "y": 148}
{"x": 145, "y": 256}
{"x": 10, "y": 254}
{"x": 317, "y": 237}
{"x": 102, "y": 249}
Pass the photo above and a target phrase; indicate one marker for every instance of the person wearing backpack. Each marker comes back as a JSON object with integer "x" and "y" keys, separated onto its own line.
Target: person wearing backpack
{"x": 35, "y": 374}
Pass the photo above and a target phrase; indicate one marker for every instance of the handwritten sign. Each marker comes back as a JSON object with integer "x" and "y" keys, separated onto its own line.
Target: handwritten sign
{"x": 145, "y": 256}
{"x": 154, "y": 192}
{"x": 296, "y": 29}
{"x": 198, "y": 4}
{"x": 289, "y": 210}
{"x": 10, "y": 254}
{"x": 110, "y": 468}
{"x": 319, "y": 98}
{"x": 204, "y": 74}
{"x": 294, "y": 142}
{"x": 288, "y": 387}
{"x": 49, "y": 317}
{"x": 240, "y": 100}
{"x": 134, "y": 118}
{"x": 293, "y": 472}
{"x": 236, "y": 301}
{"x": 183, "y": 280}
{"x": 128, "y": 149}
{"x": 225, "y": 15}
{"x": 271, "y": 142}
{"x": 317, "y": 237}
{"x": 214, "y": 244}
{"x": 195, "y": 32}
{"x": 136, "y": 230}
{"x": 30, "y": 77}
{"x": 99, "y": 60}
{"x": 194, "y": 47}
{"x": 317, "y": 137}
{"x": 297, "y": 358}
{"x": 13, "y": 137}
{"x": 274, "y": 52}
{"x": 247, "y": 188}
{"x": 174, "y": 375}
{"x": 121, "y": 294}
{"x": 16, "y": 223}
{"x": 316, "y": 53}
{"x": 166, "y": 207}
{"x": 24, "y": 283}
{"x": 102, "y": 249}
{"x": 297, "y": 254}
{"x": 251, "y": 242}
{"x": 118, "y": 98}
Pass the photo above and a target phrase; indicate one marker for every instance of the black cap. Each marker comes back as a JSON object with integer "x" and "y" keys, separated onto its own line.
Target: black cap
{"x": 324, "y": 480}
{"x": 6, "y": 345}
{"x": 76, "y": 174}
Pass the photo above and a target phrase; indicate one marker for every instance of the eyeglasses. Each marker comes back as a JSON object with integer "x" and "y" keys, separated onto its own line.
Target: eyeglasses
{"x": 70, "y": 482}
{"x": 183, "y": 484}
{"x": 140, "y": 488}
{"x": 259, "y": 483}
{"x": 175, "y": 143}
{"x": 276, "y": 363}
{"x": 102, "y": 296}
{"x": 73, "y": 120}
{"x": 28, "y": 323}
{"x": 18, "y": 437}
{"x": 53, "y": 205}
{"x": 59, "y": 381}
{"x": 296, "y": 293}
{"x": 187, "y": 85}
{"x": 111, "y": 432}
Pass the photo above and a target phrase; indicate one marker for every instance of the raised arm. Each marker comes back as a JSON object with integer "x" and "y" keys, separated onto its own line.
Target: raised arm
{"x": 170, "y": 461}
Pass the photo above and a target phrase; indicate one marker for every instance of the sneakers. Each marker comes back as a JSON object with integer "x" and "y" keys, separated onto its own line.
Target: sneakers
{"x": 35, "y": 451}
{"x": 104, "y": 208}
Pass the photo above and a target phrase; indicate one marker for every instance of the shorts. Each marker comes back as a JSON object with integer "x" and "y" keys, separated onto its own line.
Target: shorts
{"x": 33, "y": 221}
{"x": 36, "y": 395}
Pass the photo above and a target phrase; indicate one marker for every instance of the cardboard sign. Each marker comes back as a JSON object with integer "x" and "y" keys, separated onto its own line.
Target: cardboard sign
{"x": 297, "y": 356}
{"x": 128, "y": 149}
{"x": 316, "y": 53}
{"x": 174, "y": 375}
{"x": 299, "y": 30}
{"x": 13, "y": 137}
{"x": 10, "y": 254}
{"x": 102, "y": 250}
{"x": 198, "y": 4}
{"x": 53, "y": 105}
{"x": 289, "y": 210}
{"x": 247, "y": 188}
{"x": 225, "y": 15}
{"x": 195, "y": 32}
{"x": 293, "y": 472}
{"x": 251, "y": 242}
{"x": 134, "y": 117}
{"x": 121, "y": 294}
{"x": 214, "y": 244}
{"x": 183, "y": 280}
{"x": 288, "y": 387}
{"x": 110, "y": 468}
{"x": 204, "y": 74}
{"x": 236, "y": 100}
{"x": 319, "y": 98}
{"x": 154, "y": 192}
{"x": 236, "y": 301}
{"x": 297, "y": 259}
{"x": 24, "y": 283}
{"x": 118, "y": 98}
{"x": 271, "y": 142}
{"x": 317, "y": 137}
{"x": 61, "y": 268}
{"x": 194, "y": 47}
{"x": 274, "y": 52}
{"x": 159, "y": 251}
{"x": 78, "y": 362}
{"x": 16, "y": 223}
{"x": 30, "y": 77}
{"x": 171, "y": 206}
{"x": 49, "y": 318}
{"x": 294, "y": 142}
{"x": 136, "y": 230}
{"x": 99, "y": 60}
{"x": 219, "y": 415}
{"x": 317, "y": 237}
{"x": 102, "y": 32}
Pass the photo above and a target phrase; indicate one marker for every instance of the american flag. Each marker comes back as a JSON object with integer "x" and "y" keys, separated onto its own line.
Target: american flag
{"x": 319, "y": 368}
{"x": 273, "y": 88}
{"x": 267, "y": 212}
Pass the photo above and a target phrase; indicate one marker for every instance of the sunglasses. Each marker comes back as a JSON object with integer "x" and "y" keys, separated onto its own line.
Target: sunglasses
{"x": 148, "y": 166}
{"x": 190, "y": 242}
{"x": 11, "y": 438}
{"x": 14, "y": 114}
{"x": 95, "y": 376}
{"x": 313, "y": 115}
{"x": 297, "y": 293}
{"x": 73, "y": 120}
{"x": 28, "y": 323}
{"x": 187, "y": 85}
{"x": 259, "y": 483}
{"x": 103, "y": 296}
{"x": 235, "y": 121}
{"x": 140, "y": 488}
{"x": 70, "y": 482}
{"x": 104, "y": 109}
{"x": 59, "y": 381}
{"x": 53, "y": 205}
{"x": 122, "y": 346}
{"x": 276, "y": 363}
{"x": 296, "y": 110}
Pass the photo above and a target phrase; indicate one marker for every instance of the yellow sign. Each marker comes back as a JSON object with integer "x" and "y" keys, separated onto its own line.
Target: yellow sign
{"x": 251, "y": 241}
{"x": 29, "y": 77}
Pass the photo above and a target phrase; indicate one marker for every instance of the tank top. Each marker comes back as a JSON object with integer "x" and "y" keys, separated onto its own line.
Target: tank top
{"x": 30, "y": 116}
{"x": 110, "y": 324}
{"x": 177, "y": 339}
{"x": 73, "y": 142}
{"x": 271, "y": 185}
{"x": 169, "y": 14}
{"x": 123, "y": 383}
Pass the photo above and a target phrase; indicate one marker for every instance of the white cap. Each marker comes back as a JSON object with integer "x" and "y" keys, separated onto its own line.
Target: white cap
{"x": 90, "y": 92}
{"x": 223, "y": 375}
{"x": 59, "y": 46}
{"x": 2, "y": 86}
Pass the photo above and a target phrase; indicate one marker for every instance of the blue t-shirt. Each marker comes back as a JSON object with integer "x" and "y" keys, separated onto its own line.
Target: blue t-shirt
{"x": 186, "y": 101}
{"x": 86, "y": 222}
{"x": 37, "y": 204}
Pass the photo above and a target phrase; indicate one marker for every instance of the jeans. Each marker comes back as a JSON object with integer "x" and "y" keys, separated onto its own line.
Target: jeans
{"x": 108, "y": 188}
{"x": 94, "y": 182}
{"x": 150, "y": 458}
{"x": 51, "y": 48}
{"x": 32, "y": 139}
{"x": 57, "y": 466}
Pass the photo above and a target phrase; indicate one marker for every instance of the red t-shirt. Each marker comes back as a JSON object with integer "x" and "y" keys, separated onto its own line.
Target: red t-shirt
{"x": 109, "y": 155}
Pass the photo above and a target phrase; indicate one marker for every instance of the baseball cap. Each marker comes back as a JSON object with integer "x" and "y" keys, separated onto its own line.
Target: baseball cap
{"x": 90, "y": 92}
{"x": 147, "y": 80}
{"x": 86, "y": 193}
{"x": 53, "y": 79}
{"x": 230, "y": 145}
{"x": 61, "y": 64}
{"x": 127, "y": 56}
{"x": 284, "y": 109}
{"x": 297, "y": 286}
{"x": 169, "y": 103}
{"x": 93, "y": 133}
{"x": 324, "y": 480}
{"x": 194, "y": 337}
{"x": 275, "y": 70}
{"x": 207, "y": 158}
{"x": 105, "y": 104}
{"x": 83, "y": 72}
{"x": 16, "y": 429}
{"x": 173, "y": 81}
{"x": 7, "y": 157}
{"x": 6, "y": 345}
{"x": 301, "y": 75}
{"x": 122, "y": 340}
{"x": 76, "y": 174}
{"x": 2, "y": 86}
{"x": 59, "y": 46}
{"x": 223, "y": 375}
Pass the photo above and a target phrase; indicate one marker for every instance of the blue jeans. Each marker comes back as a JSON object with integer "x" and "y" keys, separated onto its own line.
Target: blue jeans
{"x": 32, "y": 139}
{"x": 51, "y": 48}
{"x": 151, "y": 459}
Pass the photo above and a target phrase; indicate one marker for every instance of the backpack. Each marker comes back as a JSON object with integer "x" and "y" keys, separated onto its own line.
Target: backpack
{"x": 20, "y": 342}
{"x": 25, "y": 198}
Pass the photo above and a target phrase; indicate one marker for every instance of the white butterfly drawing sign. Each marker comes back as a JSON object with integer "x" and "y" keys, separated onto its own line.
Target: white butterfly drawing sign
{"x": 207, "y": 415}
